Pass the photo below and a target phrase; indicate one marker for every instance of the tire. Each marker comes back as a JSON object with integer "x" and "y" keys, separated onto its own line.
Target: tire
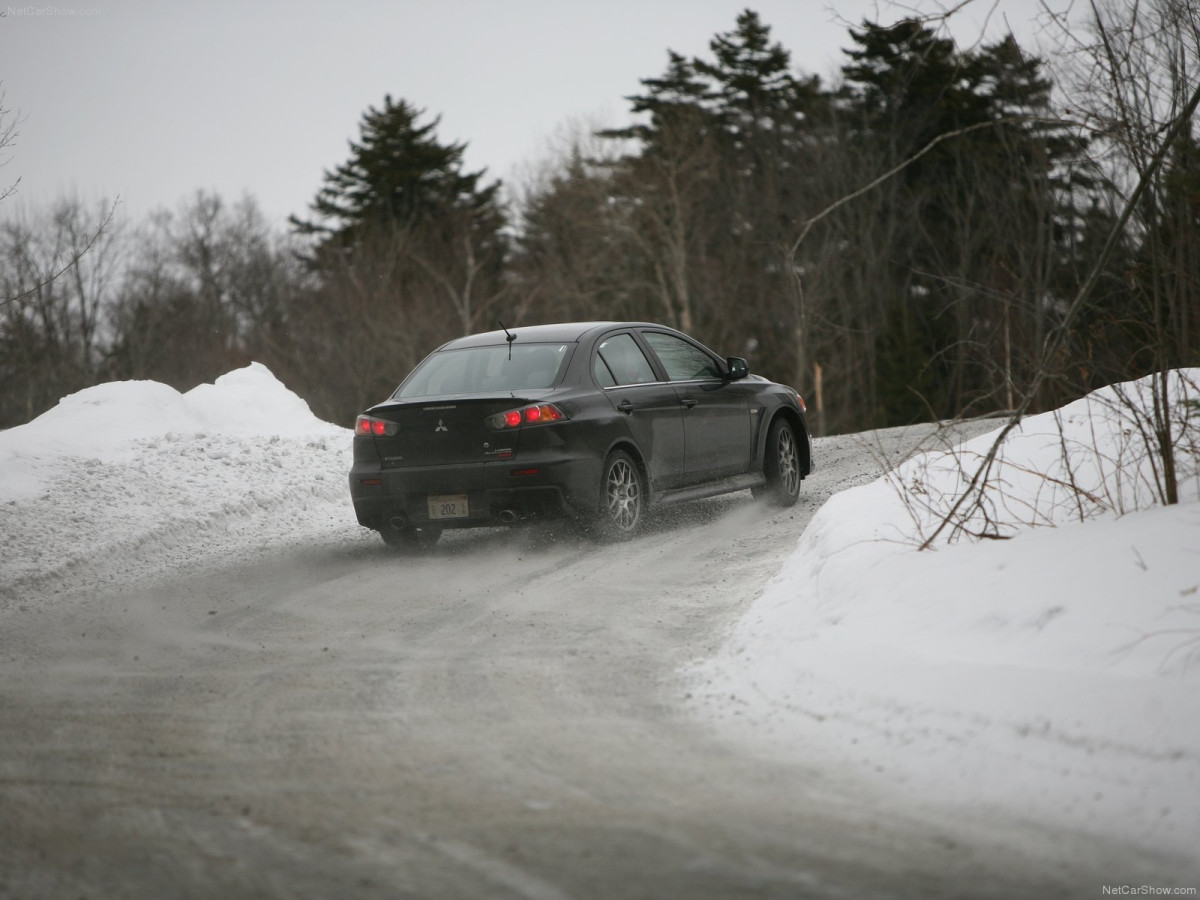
{"x": 411, "y": 539}
{"x": 622, "y": 508}
{"x": 781, "y": 465}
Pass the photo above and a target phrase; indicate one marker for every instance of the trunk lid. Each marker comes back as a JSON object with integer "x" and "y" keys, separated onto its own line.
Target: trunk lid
{"x": 446, "y": 432}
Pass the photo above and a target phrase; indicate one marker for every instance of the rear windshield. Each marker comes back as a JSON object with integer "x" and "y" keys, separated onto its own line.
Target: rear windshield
{"x": 481, "y": 370}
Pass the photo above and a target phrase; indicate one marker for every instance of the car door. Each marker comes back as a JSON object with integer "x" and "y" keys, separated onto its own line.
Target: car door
{"x": 716, "y": 413}
{"x": 649, "y": 406}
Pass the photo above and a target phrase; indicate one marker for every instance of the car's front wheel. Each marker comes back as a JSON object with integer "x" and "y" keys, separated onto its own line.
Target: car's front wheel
{"x": 622, "y": 497}
{"x": 781, "y": 464}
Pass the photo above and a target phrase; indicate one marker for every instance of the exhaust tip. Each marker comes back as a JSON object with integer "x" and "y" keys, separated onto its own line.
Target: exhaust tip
{"x": 508, "y": 516}
{"x": 398, "y": 522}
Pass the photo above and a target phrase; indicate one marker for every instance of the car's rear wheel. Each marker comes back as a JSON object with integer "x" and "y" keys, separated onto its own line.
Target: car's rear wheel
{"x": 781, "y": 464}
{"x": 410, "y": 538}
{"x": 622, "y": 497}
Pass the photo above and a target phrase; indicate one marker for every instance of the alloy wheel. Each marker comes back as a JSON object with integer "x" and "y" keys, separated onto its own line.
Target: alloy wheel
{"x": 789, "y": 463}
{"x": 623, "y": 495}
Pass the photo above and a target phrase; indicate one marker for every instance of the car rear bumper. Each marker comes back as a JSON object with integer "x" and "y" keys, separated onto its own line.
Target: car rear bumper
{"x": 496, "y": 492}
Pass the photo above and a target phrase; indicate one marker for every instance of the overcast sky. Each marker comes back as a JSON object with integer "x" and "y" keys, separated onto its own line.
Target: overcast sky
{"x": 151, "y": 101}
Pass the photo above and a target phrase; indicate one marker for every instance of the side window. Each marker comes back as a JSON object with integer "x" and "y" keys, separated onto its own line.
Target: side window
{"x": 683, "y": 361}
{"x": 619, "y": 360}
{"x": 602, "y": 373}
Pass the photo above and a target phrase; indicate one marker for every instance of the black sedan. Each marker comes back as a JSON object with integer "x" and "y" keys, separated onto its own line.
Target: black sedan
{"x": 598, "y": 421}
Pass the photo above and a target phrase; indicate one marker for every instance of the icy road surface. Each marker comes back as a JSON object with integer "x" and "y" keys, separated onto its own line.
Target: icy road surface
{"x": 503, "y": 717}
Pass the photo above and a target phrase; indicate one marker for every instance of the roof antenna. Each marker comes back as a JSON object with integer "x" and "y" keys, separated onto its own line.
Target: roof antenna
{"x": 508, "y": 336}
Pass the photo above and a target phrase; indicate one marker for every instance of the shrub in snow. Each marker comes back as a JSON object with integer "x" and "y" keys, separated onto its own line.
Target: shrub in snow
{"x": 1120, "y": 449}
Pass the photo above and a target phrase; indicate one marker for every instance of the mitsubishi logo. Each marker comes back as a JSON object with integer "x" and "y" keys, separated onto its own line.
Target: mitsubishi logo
{"x": 440, "y": 427}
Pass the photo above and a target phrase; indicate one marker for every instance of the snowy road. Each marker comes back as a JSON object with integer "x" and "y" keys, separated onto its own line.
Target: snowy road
{"x": 503, "y": 718}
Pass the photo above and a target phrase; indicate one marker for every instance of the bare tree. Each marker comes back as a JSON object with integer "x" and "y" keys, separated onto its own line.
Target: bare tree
{"x": 573, "y": 259}
{"x": 1137, "y": 85}
{"x": 58, "y": 274}
{"x": 8, "y": 138}
{"x": 210, "y": 288}
{"x": 1147, "y": 61}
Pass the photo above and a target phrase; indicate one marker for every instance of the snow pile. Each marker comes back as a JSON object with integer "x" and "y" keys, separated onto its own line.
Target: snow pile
{"x": 134, "y": 476}
{"x": 1050, "y": 678}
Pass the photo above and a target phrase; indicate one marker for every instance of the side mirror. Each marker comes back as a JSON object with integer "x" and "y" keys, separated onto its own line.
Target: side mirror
{"x": 738, "y": 368}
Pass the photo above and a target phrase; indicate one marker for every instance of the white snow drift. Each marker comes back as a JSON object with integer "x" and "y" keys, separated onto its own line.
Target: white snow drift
{"x": 133, "y": 478}
{"x": 1053, "y": 676}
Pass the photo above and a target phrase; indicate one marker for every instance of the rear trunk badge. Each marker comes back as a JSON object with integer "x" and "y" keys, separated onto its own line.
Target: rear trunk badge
{"x": 440, "y": 427}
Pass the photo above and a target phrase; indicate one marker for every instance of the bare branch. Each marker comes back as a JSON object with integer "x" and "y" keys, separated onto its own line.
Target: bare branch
{"x": 901, "y": 166}
{"x": 66, "y": 267}
{"x": 1057, "y": 338}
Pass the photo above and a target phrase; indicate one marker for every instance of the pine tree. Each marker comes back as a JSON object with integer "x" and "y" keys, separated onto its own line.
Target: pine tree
{"x": 753, "y": 89}
{"x": 714, "y": 189}
{"x": 971, "y": 271}
{"x": 408, "y": 251}
{"x": 399, "y": 176}
{"x": 680, "y": 97}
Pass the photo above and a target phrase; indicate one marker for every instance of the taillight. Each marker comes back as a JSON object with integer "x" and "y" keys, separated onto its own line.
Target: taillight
{"x": 534, "y": 414}
{"x": 546, "y": 412}
{"x": 369, "y": 426}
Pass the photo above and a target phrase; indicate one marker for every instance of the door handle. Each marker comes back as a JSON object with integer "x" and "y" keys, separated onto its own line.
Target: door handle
{"x": 688, "y": 402}
{"x": 625, "y": 406}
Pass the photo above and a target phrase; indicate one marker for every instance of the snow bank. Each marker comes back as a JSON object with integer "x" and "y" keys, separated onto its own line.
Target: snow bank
{"x": 1051, "y": 678}
{"x": 135, "y": 476}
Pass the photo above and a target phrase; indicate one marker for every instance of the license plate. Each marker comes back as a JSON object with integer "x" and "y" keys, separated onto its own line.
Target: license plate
{"x": 448, "y": 506}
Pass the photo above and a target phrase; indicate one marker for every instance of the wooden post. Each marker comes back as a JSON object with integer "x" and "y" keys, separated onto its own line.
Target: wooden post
{"x": 819, "y": 399}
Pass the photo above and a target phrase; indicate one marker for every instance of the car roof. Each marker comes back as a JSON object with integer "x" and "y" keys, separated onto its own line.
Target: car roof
{"x": 562, "y": 332}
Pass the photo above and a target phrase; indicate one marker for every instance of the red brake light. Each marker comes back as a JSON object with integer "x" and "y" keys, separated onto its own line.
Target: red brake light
{"x": 369, "y": 426}
{"x": 534, "y": 414}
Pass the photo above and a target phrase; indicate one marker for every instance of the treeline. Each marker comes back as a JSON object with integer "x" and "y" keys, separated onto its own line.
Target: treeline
{"x": 900, "y": 246}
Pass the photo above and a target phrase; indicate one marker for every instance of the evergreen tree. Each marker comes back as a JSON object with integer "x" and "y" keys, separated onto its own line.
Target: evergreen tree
{"x": 679, "y": 97}
{"x": 753, "y": 91}
{"x": 409, "y": 252}
{"x": 971, "y": 272}
{"x": 400, "y": 176}
{"x": 1159, "y": 327}
{"x": 713, "y": 191}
